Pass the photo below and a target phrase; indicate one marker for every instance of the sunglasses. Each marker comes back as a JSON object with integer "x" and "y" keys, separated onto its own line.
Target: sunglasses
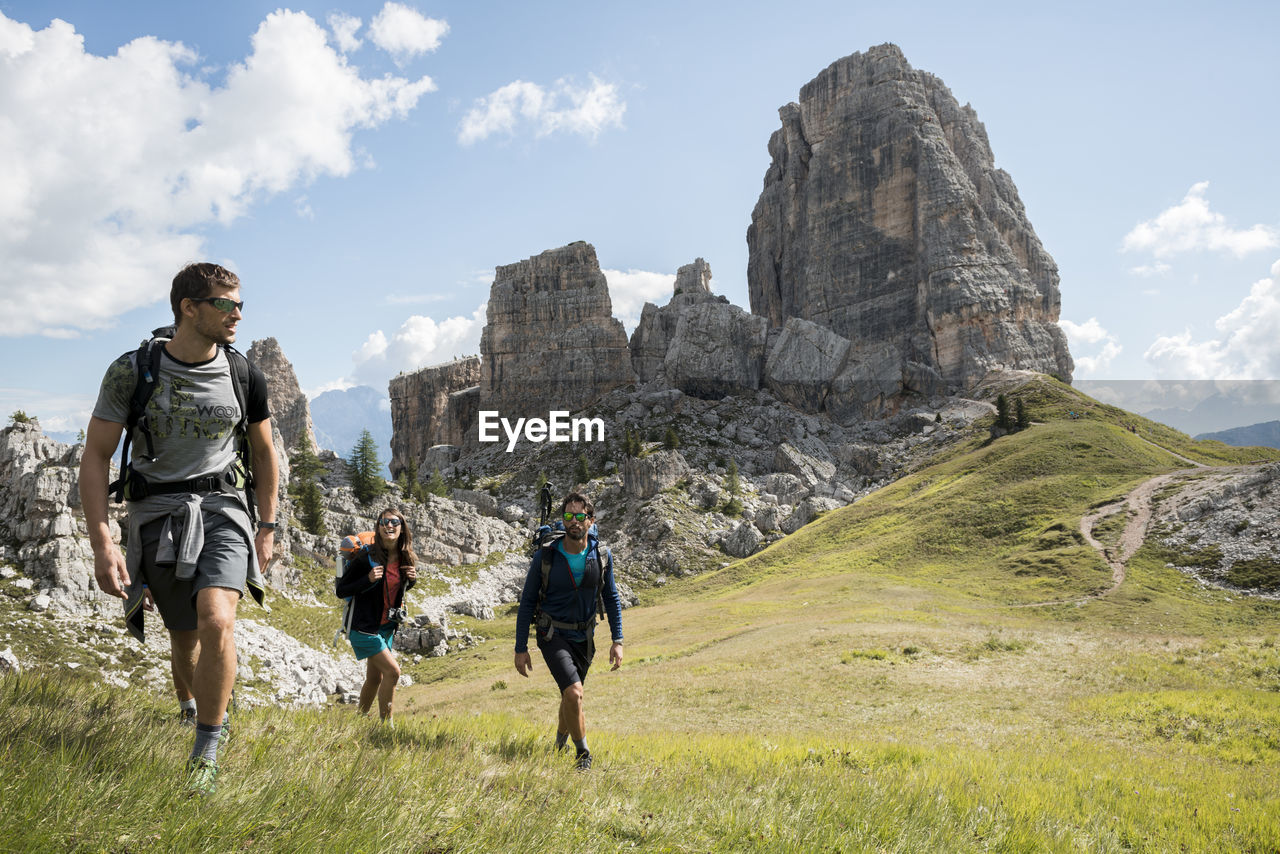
{"x": 222, "y": 304}
{"x": 569, "y": 517}
{"x": 389, "y": 523}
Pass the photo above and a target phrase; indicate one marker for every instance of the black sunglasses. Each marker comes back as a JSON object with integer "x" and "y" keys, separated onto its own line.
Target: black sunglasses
{"x": 389, "y": 522}
{"x": 222, "y": 304}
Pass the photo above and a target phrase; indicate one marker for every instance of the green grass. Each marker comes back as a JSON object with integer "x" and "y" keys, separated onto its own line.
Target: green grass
{"x": 875, "y": 682}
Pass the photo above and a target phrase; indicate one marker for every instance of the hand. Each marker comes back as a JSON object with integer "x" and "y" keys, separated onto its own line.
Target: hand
{"x": 264, "y": 545}
{"x": 148, "y": 601}
{"x": 411, "y": 572}
{"x": 524, "y": 663}
{"x": 615, "y": 656}
{"x": 375, "y": 574}
{"x": 110, "y": 571}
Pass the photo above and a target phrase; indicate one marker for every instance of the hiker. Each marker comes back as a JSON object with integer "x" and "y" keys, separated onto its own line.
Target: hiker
{"x": 562, "y": 606}
{"x": 377, "y": 578}
{"x": 195, "y": 409}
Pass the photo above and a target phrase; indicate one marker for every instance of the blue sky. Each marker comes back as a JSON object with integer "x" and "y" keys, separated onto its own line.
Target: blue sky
{"x": 365, "y": 165}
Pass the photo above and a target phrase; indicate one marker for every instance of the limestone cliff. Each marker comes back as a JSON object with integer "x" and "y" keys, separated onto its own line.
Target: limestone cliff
{"x": 657, "y": 327}
{"x": 290, "y": 411}
{"x": 431, "y": 407}
{"x": 551, "y": 341}
{"x": 884, "y": 219}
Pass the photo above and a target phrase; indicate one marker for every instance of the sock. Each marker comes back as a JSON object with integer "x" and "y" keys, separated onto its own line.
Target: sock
{"x": 561, "y": 739}
{"x": 188, "y": 705}
{"x": 581, "y": 744}
{"x": 206, "y": 746}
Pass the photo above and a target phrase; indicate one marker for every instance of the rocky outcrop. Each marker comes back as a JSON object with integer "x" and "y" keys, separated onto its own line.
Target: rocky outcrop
{"x": 717, "y": 350}
{"x": 430, "y": 407}
{"x": 41, "y": 530}
{"x": 290, "y": 412}
{"x": 657, "y": 327}
{"x": 644, "y": 477}
{"x": 884, "y": 220}
{"x": 551, "y": 341}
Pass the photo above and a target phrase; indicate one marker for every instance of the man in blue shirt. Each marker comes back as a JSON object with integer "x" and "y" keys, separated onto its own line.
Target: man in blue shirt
{"x": 569, "y": 581}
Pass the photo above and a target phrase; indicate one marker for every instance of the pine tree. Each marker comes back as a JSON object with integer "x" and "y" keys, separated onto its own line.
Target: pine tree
{"x": 304, "y": 468}
{"x": 731, "y": 481}
{"x": 1022, "y": 419}
{"x": 1003, "y": 419}
{"x": 671, "y": 440}
{"x": 311, "y": 508}
{"x": 436, "y": 485}
{"x": 365, "y": 469}
{"x": 582, "y": 472}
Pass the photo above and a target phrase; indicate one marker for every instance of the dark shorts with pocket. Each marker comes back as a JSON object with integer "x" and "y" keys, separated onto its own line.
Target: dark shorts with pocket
{"x": 223, "y": 562}
{"x": 568, "y": 660}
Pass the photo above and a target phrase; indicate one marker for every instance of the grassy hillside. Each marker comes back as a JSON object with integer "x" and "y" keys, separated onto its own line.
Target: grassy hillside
{"x": 884, "y": 680}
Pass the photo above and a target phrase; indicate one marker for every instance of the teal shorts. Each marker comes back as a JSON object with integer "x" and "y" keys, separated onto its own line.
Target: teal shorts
{"x": 367, "y": 645}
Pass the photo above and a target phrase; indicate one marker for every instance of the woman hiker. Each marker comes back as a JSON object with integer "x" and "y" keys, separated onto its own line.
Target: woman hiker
{"x": 377, "y": 578}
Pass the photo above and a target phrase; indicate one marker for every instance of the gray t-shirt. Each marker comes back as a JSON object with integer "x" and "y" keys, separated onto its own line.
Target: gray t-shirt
{"x": 192, "y": 414}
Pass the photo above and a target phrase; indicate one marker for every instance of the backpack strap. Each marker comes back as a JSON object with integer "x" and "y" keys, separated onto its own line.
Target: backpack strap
{"x": 147, "y": 364}
{"x": 239, "y": 365}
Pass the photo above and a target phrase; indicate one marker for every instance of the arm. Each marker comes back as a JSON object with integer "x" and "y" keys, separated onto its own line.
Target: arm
{"x": 524, "y": 616}
{"x": 95, "y": 467}
{"x": 266, "y": 480}
{"x": 613, "y": 610}
{"x": 360, "y": 576}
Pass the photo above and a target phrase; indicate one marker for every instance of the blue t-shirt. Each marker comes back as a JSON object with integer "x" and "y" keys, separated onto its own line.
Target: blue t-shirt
{"x": 577, "y": 563}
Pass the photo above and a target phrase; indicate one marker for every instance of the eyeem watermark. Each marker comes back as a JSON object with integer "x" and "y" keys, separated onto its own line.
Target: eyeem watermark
{"x": 560, "y": 428}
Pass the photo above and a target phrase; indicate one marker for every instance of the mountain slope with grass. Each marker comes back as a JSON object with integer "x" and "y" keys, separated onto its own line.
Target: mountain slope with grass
{"x": 884, "y": 679}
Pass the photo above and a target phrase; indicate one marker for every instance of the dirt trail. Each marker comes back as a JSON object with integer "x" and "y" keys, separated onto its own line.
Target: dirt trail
{"x": 1137, "y": 504}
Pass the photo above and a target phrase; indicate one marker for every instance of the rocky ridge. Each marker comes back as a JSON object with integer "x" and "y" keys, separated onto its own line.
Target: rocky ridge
{"x": 884, "y": 220}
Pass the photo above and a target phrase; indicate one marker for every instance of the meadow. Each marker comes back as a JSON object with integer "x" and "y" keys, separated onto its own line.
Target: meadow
{"x": 884, "y": 680}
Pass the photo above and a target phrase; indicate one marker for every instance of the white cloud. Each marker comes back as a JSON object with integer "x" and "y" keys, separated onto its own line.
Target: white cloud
{"x": 344, "y": 28}
{"x": 419, "y": 342}
{"x": 1157, "y": 269}
{"x": 110, "y": 166}
{"x": 1191, "y": 226}
{"x": 1247, "y": 346}
{"x": 564, "y": 107}
{"x": 1090, "y": 332}
{"x": 629, "y": 292}
{"x": 405, "y": 32}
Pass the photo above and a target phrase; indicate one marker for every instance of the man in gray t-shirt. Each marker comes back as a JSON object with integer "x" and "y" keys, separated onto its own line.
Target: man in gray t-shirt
{"x": 191, "y": 545}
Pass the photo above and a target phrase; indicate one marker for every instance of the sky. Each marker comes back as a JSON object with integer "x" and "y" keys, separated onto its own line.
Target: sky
{"x": 365, "y": 166}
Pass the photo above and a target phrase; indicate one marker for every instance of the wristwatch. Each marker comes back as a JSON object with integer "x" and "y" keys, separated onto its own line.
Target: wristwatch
{"x": 272, "y": 525}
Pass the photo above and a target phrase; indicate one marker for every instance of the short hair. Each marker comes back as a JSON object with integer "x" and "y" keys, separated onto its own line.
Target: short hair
{"x": 578, "y": 498}
{"x": 198, "y": 280}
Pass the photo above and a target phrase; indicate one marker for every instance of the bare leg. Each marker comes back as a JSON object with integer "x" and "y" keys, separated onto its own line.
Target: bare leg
{"x": 389, "y": 668}
{"x": 369, "y": 690}
{"x": 215, "y": 669}
{"x": 573, "y": 719}
{"x": 184, "y": 649}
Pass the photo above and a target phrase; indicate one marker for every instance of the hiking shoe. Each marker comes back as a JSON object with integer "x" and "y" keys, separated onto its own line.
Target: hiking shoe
{"x": 202, "y": 777}
{"x": 584, "y": 761}
{"x": 187, "y": 717}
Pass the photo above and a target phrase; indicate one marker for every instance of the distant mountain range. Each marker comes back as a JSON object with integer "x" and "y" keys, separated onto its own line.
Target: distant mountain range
{"x": 340, "y": 416}
{"x": 1266, "y": 434}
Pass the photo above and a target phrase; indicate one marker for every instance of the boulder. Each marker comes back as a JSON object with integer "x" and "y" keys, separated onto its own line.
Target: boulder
{"x": 644, "y": 477}
{"x": 718, "y": 350}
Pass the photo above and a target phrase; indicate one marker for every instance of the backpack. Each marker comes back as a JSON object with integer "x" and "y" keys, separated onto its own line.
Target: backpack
{"x": 147, "y": 360}
{"x": 546, "y": 539}
{"x": 351, "y": 546}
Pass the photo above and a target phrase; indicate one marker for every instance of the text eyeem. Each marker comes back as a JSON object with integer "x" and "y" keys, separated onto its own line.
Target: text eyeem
{"x": 558, "y": 428}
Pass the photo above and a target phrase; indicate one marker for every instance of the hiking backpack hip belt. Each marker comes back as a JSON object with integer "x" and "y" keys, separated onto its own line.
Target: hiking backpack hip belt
{"x": 548, "y": 626}
{"x": 231, "y": 481}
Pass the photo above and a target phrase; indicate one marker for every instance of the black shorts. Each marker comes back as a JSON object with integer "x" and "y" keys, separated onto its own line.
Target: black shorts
{"x": 568, "y": 660}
